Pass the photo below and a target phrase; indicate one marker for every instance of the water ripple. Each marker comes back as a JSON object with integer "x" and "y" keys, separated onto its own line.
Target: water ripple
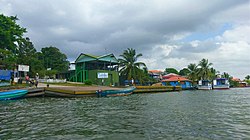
{"x": 178, "y": 115}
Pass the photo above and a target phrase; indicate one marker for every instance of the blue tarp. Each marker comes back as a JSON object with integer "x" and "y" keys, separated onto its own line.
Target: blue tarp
{"x": 5, "y": 75}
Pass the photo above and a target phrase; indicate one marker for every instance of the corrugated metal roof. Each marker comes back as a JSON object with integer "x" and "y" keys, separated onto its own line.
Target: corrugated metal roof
{"x": 87, "y": 57}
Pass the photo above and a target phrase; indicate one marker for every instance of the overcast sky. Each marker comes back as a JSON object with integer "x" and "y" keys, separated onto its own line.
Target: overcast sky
{"x": 169, "y": 33}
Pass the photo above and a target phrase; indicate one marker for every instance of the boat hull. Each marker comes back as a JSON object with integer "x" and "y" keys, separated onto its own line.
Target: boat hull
{"x": 204, "y": 87}
{"x": 13, "y": 94}
{"x": 110, "y": 93}
{"x": 221, "y": 87}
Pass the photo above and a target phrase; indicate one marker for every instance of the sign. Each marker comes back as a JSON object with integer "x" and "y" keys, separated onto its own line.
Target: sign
{"x": 24, "y": 68}
{"x": 102, "y": 75}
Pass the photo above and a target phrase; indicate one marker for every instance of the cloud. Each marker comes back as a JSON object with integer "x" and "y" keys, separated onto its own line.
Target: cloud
{"x": 167, "y": 33}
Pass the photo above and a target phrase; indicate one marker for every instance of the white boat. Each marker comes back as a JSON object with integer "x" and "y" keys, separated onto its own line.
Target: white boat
{"x": 220, "y": 83}
{"x": 204, "y": 85}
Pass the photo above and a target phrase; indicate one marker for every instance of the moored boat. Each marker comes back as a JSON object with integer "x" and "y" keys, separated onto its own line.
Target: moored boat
{"x": 122, "y": 92}
{"x": 12, "y": 94}
{"x": 204, "y": 85}
{"x": 221, "y": 83}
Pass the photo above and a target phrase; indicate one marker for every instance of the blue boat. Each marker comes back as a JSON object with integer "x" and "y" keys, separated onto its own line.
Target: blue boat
{"x": 122, "y": 92}
{"x": 12, "y": 94}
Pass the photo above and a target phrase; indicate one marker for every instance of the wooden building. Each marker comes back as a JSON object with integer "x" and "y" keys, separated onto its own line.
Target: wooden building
{"x": 100, "y": 70}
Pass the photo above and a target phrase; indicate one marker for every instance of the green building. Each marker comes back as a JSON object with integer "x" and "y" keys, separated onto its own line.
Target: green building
{"x": 100, "y": 70}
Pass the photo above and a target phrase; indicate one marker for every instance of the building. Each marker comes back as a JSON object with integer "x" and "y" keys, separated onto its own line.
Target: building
{"x": 176, "y": 80}
{"x": 239, "y": 82}
{"x": 155, "y": 74}
{"x": 100, "y": 70}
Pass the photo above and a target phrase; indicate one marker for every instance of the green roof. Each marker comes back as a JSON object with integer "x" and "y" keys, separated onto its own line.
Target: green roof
{"x": 87, "y": 57}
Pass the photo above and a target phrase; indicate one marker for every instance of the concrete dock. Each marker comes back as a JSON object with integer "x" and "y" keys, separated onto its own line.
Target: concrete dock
{"x": 86, "y": 91}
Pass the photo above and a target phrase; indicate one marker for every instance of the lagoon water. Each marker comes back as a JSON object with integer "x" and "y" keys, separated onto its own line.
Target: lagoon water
{"x": 213, "y": 114}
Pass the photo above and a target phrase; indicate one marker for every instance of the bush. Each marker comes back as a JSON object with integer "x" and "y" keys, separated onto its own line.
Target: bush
{"x": 88, "y": 82}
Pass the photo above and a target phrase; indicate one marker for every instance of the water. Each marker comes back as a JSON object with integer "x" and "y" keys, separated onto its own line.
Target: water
{"x": 177, "y": 115}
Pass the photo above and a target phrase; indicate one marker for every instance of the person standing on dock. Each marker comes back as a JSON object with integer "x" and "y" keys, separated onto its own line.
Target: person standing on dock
{"x": 132, "y": 81}
{"x": 36, "y": 79}
{"x": 27, "y": 79}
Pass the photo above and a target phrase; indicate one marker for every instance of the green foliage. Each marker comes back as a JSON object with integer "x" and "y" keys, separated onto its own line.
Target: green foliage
{"x": 184, "y": 72}
{"x": 7, "y": 59}
{"x": 234, "y": 83}
{"x": 130, "y": 68}
{"x": 193, "y": 70}
{"x": 204, "y": 69}
{"x": 88, "y": 82}
{"x": 54, "y": 59}
{"x": 171, "y": 70}
{"x": 248, "y": 82}
{"x": 247, "y": 77}
{"x": 10, "y": 33}
{"x": 16, "y": 49}
{"x": 225, "y": 75}
{"x": 51, "y": 73}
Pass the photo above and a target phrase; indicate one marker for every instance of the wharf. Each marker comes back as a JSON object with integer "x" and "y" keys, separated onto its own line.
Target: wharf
{"x": 90, "y": 91}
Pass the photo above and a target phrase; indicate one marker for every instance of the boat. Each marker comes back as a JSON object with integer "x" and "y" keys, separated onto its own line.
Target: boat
{"x": 12, "y": 94}
{"x": 220, "y": 83}
{"x": 204, "y": 85}
{"x": 121, "y": 92}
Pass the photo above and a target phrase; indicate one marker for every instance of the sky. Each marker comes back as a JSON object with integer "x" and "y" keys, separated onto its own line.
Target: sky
{"x": 168, "y": 33}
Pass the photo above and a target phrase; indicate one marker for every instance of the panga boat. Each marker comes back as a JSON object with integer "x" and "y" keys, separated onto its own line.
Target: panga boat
{"x": 122, "y": 92}
{"x": 12, "y": 94}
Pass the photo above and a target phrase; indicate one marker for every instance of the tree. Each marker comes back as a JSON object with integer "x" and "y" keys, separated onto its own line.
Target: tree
{"x": 192, "y": 75}
{"x": 184, "y": 72}
{"x": 129, "y": 67}
{"x": 11, "y": 35}
{"x": 247, "y": 77}
{"x": 213, "y": 73}
{"x": 54, "y": 59}
{"x": 204, "y": 69}
{"x": 171, "y": 70}
{"x": 225, "y": 75}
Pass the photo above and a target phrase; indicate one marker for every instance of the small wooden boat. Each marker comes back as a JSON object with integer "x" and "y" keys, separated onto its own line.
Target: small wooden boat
{"x": 12, "y": 94}
{"x": 122, "y": 92}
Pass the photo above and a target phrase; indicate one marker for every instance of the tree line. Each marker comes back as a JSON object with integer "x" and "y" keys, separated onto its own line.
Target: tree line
{"x": 204, "y": 71}
{"x": 16, "y": 49}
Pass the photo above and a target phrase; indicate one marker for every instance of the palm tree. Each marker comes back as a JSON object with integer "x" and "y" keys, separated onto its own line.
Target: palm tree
{"x": 129, "y": 67}
{"x": 247, "y": 77}
{"x": 192, "y": 75}
{"x": 225, "y": 75}
{"x": 213, "y": 73}
{"x": 204, "y": 69}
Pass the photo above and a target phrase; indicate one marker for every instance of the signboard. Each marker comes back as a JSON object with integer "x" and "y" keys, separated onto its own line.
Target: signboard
{"x": 23, "y": 68}
{"x": 102, "y": 75}
{"x": 5, "y": 75}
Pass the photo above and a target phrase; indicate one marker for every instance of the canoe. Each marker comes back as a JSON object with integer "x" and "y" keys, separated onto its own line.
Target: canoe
{"x": 121, "y": 92}
{"x": 12, "y": 94}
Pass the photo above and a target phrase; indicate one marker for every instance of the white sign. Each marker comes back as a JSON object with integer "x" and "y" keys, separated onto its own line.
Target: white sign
{"x": 24, "y": 68}
{"x": 102, "y": 75}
